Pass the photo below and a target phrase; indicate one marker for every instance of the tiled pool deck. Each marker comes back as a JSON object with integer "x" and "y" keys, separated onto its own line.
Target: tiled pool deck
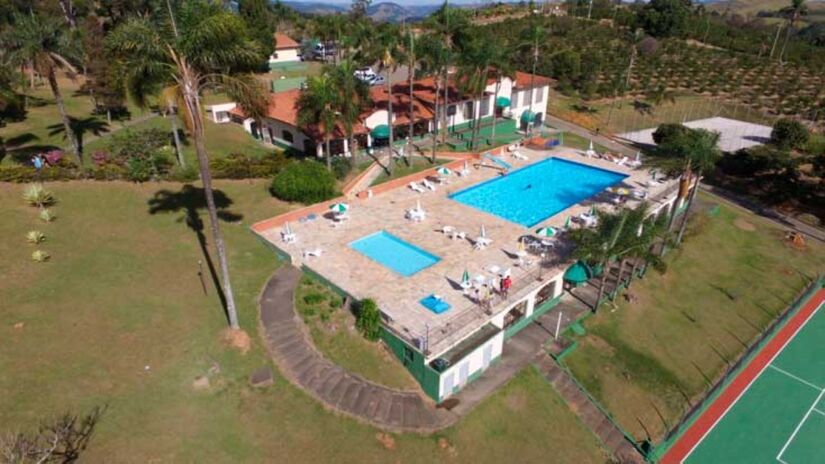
{"x": 398, "y": 296}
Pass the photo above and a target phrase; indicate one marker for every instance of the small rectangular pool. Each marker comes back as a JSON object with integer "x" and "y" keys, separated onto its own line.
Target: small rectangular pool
{"x": 533, "y": 193}
{"x": 392, "y": 252}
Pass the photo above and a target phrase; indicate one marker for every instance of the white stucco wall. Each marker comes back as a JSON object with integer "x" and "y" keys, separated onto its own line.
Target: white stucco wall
{"x": 376, "y": 119}
{"x": 284, "y": 56}
{"x": 277, "y": 128}
{"x": 473, "y": 363}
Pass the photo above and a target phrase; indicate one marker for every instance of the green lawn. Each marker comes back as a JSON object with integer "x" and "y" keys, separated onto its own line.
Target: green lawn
{"x": 42, "y": 128}
{"x": 122, "y": 292}
{"x": 401, "y": 169}
{"x": 643, "y": 359}
{"x": 580, "y": 143}
{"x": 333, "y": 331}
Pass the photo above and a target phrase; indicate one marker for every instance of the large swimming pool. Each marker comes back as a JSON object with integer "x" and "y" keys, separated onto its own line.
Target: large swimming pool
{"x": 533, "y": 193}
{"x": 394, "y": 253}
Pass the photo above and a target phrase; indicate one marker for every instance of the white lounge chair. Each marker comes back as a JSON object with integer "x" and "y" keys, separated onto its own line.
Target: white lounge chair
{"x": 458, "y": 235}
{"x": 416, "y": 215}
{"x": 289, "y": 237}
{"x": 316, "y": 253}
{"x": 519, "y": 155}
{"x": 448, "y": 230}
{"x": 588, "y": 219}
{"x": 416, "y": 188}
{"x": 340, "y": 217}
{"x": 653, "y": 183}
{"x": 482, "y": 243}
{"x": 621, "y": 161}
{"x": 639, "y": 194}
{"x": 635, "y": 164}
{"x": 428, "y": 184}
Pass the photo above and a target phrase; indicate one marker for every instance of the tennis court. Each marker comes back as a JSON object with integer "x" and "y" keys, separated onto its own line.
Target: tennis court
{"x": 773, "y": 411}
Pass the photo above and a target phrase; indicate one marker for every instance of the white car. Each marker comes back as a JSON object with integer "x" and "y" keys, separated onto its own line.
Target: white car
{"x": 365, "y": 74}
{"x": 376, "y": 80}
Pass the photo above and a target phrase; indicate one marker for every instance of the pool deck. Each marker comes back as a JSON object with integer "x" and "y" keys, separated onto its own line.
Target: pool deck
{"x": 398, "y": 296}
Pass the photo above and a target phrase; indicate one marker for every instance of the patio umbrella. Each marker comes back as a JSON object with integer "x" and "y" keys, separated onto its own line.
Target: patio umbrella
{"x": 622, "y": 191}
{"x": 590, "y": 148}
{"x": 418, "y": 205}
{"x": 592, "y": 210}
{"x": 546, "y": 232}
{"x": 638, "y": 156}
{"x": 287, "y": 228}
{"x": 466, "y": 166}
{"x": 521, "y": 249}
{"x": 442, "y": 171}
{"x": 567, "y": 223}
{"x": 483, "y": 232}
{"x": 465, "y": 278}
{"x": 339, "y": 207}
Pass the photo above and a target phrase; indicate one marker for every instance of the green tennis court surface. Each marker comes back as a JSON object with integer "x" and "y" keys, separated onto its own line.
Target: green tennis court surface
{"x": 781, "y": 416}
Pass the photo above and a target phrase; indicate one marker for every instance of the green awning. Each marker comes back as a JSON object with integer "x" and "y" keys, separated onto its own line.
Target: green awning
{"x": 502, "y": 102}
{"x": 578, "y": 273}
{"x": 381, "y": 132}
{"x": 528, "y": 116}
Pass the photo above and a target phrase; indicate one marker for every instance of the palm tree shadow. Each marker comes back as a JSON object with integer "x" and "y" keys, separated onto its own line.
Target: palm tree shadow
{"x": 191, "y": 201}
{"x": 81, "y": 127}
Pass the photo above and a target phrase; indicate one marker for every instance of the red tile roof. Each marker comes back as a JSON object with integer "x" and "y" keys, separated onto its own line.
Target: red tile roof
{"x": 283, "y": 41}
{"x": 283, "y": 106}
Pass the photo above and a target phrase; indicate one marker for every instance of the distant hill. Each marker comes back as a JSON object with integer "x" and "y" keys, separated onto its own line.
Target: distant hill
{"x": 389, "y": 12}
{"x": 315, "y": 8}
{"x": 752, "y": 7}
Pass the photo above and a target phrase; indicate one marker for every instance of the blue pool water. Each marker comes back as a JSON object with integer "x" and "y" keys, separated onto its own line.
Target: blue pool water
{"x": 533, "y": 193}
{"x": 394, "y": 253}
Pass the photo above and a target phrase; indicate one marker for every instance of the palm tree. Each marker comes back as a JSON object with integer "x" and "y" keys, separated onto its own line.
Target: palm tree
{"x": 209, "y": 49}
{"x": 602, "y": 244}
{"x": 794, "y": 11}
{"x": 693, "y": 153}
{"x": 412, "y": 62}
{"x": 434, "y": 59}
{"x": 317, "y": 107}
{"x": 45, "y": 45}
{"x": 353, "y": 97}
{"x": 473, "y": 74}
{"x": 502, "y": 64}
{"x": 448, "y": 23}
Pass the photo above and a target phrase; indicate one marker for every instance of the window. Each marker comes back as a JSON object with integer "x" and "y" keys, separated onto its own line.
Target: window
{"x": 451, "y": 110}
{"x": 539, "y": 94}
{"x": 468, "y": 110}
{"x": 485, "y": 106}
{"x": 409, "y": 355}
{"x": 515, "y": 314}
{"x": 514, "y": 102}
{"x": 287, "y": 136}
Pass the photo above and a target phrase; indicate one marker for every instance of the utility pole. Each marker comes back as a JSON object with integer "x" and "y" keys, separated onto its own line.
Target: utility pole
{"x": 589, "y": 9}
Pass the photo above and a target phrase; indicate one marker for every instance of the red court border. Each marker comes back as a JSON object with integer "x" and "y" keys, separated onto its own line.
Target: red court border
{"x": 719, "y": 407}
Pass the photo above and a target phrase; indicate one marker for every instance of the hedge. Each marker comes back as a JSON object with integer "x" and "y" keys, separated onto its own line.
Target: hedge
{"x": 305, "y": 182}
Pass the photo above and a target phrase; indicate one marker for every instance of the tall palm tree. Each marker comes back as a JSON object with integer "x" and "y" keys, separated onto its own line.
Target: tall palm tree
{"x": 475, "y": 61}
{"x": 45, "y": 44}
{"x": 317, "y": 107}
{"x": 449, "y": 24}
{"x": 352, "y": 98}
{"x": 412, "y": 62}
{"x": 207, "y": 49}
{"x": 793, "y": 12}
{"x": 434, "y": 59}
{"x": 614, "y": 236}
{"x": 502, "y": 67}
{"x": 692, "y": 153}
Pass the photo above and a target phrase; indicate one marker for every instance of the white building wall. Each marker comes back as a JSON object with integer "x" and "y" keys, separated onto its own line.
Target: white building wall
{"x": 277, "y": 136}
{"x": 376, "y": 119}
{"x": 284, "y": 56}
{"x": 474, "y": 363}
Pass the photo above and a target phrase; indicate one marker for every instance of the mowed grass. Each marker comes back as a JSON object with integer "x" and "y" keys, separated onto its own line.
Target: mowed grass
{"x": 122, "y": 292}
{"x": 333, "y": 331}
{"x": 42, "y": 128}
{"x": 401, "y": 168}
{"x": 644, "y": 360}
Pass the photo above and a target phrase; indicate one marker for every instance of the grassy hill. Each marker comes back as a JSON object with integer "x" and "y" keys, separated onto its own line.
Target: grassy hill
{"x": 816, "y": 8}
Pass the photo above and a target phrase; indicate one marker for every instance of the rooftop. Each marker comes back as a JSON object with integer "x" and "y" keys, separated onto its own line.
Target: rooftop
{"x": 398, "y": 296}
{"x": 283, "y": 41}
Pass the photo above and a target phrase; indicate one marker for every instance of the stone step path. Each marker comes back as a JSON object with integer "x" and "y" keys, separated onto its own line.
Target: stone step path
{"x": 592, "y": 417}
{"x": 302, "y": 364}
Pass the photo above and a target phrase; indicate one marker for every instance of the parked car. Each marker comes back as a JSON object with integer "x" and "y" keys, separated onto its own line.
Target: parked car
{"x": 323, "y": 51}
{"x": 365, "y": 74}
{"x": 377, "y": 80}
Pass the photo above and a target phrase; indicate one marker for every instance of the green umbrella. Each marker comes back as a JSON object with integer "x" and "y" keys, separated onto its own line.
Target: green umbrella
{"x": 567, "y": 223}
{"x": 502, "y": 102}
{"x": 546, "y": 232}
{"x": 465, "y": 278}
{"x": 578, "y": 273}
{"x": 442, "y": 171}
{"x": 381, "y": 131}
{"x": 339, "y": 207}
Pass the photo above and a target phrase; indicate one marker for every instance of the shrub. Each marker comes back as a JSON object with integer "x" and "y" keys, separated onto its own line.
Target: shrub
{"x": 240, "y": 166}
{"x": 368, "y": 320}
{"x": 787, "y": 134}
{"x": 809, "y": 219}
{"x": 184, "y": 174}
{"x": 144, "y": 153}
{"x": 341, "y": 167}
{"x": 40, "y": 256}
{"x": 37, "y": 195}
{"x": 15, "y": 173}
{"x": 305, "y": 182}
{"x": 35, "y": 236}
{"x": 46, "y": 215}
{"x": 669, "y": 131}
{"x": 314, "y": 298}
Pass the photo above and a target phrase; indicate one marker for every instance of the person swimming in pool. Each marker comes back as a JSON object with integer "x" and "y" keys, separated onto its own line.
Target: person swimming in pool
{"x": 529, "y": 186}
